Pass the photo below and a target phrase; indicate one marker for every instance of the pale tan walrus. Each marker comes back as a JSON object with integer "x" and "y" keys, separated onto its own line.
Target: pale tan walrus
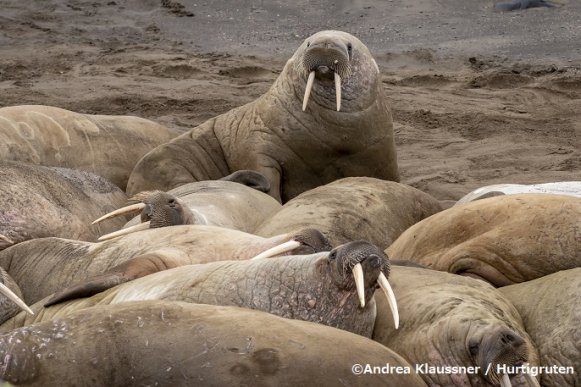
{"x": 108, "y": 146}
{"x": 503, "y": 240}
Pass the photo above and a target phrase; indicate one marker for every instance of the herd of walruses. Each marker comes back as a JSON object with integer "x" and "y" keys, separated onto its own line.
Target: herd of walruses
{"x": 273, "y": 245}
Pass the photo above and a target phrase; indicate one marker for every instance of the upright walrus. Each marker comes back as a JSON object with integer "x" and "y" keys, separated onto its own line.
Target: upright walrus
{"x": 324, "y": 118}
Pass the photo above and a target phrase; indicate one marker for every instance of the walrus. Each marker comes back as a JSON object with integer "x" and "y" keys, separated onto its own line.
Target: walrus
{"x": 324, "y": 118}
{"x": 228, "y": 202}
{"x": 503, "y": 240}
{"x": 572, "y": 188}
{"x": 332, "y": 288}
{"x": 454, "y": 321}
{"x": 10, "y": 297}
{"x": 354, "y": 208}
{"x": 164, "y": 343}
{"x": 522, "y": 4}
{"x": 551, "y": 313}
{"x": 108, "y": 146}
{"x": 37, "y": 202}
{"x": 44, "y": 266}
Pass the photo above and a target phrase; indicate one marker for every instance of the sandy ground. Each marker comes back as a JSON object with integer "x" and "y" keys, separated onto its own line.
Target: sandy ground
{"x": 479, "y": 97}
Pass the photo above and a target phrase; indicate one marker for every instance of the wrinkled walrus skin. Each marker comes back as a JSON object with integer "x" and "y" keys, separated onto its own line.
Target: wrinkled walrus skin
{"x": 37, "y": 202}
{"x": 503, "y": 240}
{"x": 449, "y": 320}
{"x": 154, "y": 343}
{"x": 108, "y": 146}
{"x": 551, "y": 311}
{"x": 296, "y": 150}
{"x": 318, "y": 288}
{"x": 46, "y": 265}
{"x": 354, "y": 208}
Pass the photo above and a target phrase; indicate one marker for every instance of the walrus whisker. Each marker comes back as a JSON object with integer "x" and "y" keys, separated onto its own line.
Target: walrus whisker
{"x": 359, "y": 283}
{"x": 134, "y": 208}
{"x": 124, "y": 231}
{"x": 505, "y": 381}
{"x": 310, "y": 82}
{"x": 338, "y": 90}
{"x": 277, "y": 250}
{"x": 5, "y": 290}
{"x": 530, "y": 378}
{"x": 386, "y": 287}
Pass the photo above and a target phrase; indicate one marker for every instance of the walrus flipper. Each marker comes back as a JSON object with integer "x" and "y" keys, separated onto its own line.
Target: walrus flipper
{"x": 194, "y": 156}
{"x": 127, "y": 271}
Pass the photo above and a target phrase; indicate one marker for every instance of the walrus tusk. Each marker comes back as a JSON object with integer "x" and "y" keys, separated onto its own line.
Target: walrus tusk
{"x": 338, "y": 90}
{"x": 279, "y": 249}
{"x": 505, "y": 381}
{"x": 6, "y": 239}
{"x": 124, "y": 231}
{"x": 121, "y": 211}
{"x": 530, "y": 378}
{"x": 386, "y": 287}
{"x": 10, "y": 295}
{"x": 310, "y": 82}
{"x": 359, "y": 283}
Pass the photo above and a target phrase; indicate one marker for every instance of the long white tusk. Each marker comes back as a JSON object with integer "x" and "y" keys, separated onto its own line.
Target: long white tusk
{"x": 10, "y": 295}
{"x": 6, "y": 239}
{"x": 386, "y": 287}
{"x": 279, "y": 249}
{"x": 121, "y": 211}
{"x": 338, "y": 90}
{"x": 530, "y": 378}
{"x": 505, "y": 381}
{"x": 124, "y": 231}
{"x": 359, "y": 283}
{"x": 310, "y": 82}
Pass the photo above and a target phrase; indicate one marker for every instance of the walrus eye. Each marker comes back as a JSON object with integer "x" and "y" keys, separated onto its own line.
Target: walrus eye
{"x": 332, "y": 255}
{"x": 171, "y": 202}
{"x": 308, "y": 44}
{"x": 349, "y": 50}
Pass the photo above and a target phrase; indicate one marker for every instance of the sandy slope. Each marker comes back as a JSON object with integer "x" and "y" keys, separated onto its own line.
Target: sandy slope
{"x": 479, "y": 97}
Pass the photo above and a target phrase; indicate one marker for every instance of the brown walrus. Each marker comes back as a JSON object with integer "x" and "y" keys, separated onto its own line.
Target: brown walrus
{"x": 324, "y": 118}
{"x": 454, "y": 321}
{"x": 503, "y": 240}
{"x": 44, "y": 266}
{"x": 164, "y": 343}
{"x": 354, "y": 208}
{"x": 37, "y": 202}
{"x": 551, "y": 313}
{"x": 332, "y": 288}
{"x": 108, "y": 146}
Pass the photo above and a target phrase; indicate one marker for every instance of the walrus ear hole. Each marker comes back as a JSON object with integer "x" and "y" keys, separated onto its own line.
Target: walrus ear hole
{"x": 308, "y": 44}
{"x": 473, "y": 347}
{"x": 349, "y": 50}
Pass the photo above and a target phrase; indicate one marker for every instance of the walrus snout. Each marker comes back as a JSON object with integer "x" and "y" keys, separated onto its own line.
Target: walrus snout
{"x": 326, "y": 60}
{"x": 157, "y": 208}
{"x": 501, "y": 349}
{"x": 363, "y": 265}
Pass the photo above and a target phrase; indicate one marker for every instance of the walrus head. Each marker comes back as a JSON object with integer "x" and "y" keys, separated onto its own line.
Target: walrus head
{"x": 338, "y": 70}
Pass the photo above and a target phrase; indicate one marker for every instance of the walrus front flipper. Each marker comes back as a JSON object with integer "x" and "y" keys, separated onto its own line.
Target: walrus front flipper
{"x": 250, "y": 179}
{"x": 127, "y": 271}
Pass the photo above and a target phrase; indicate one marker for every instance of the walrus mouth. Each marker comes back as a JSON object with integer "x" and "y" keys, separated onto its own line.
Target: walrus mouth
{"x": 326, "y": 63}
{"x": 157, "y": 208}
{"x": 352, "y": 257}
{"x": 5, "y": 290}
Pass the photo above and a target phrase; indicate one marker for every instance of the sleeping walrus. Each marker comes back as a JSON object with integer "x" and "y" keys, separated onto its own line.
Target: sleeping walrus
{"x": 161, "y": 343}
{"x": 503, "y": 240}
{"x": 325, "y": 117}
